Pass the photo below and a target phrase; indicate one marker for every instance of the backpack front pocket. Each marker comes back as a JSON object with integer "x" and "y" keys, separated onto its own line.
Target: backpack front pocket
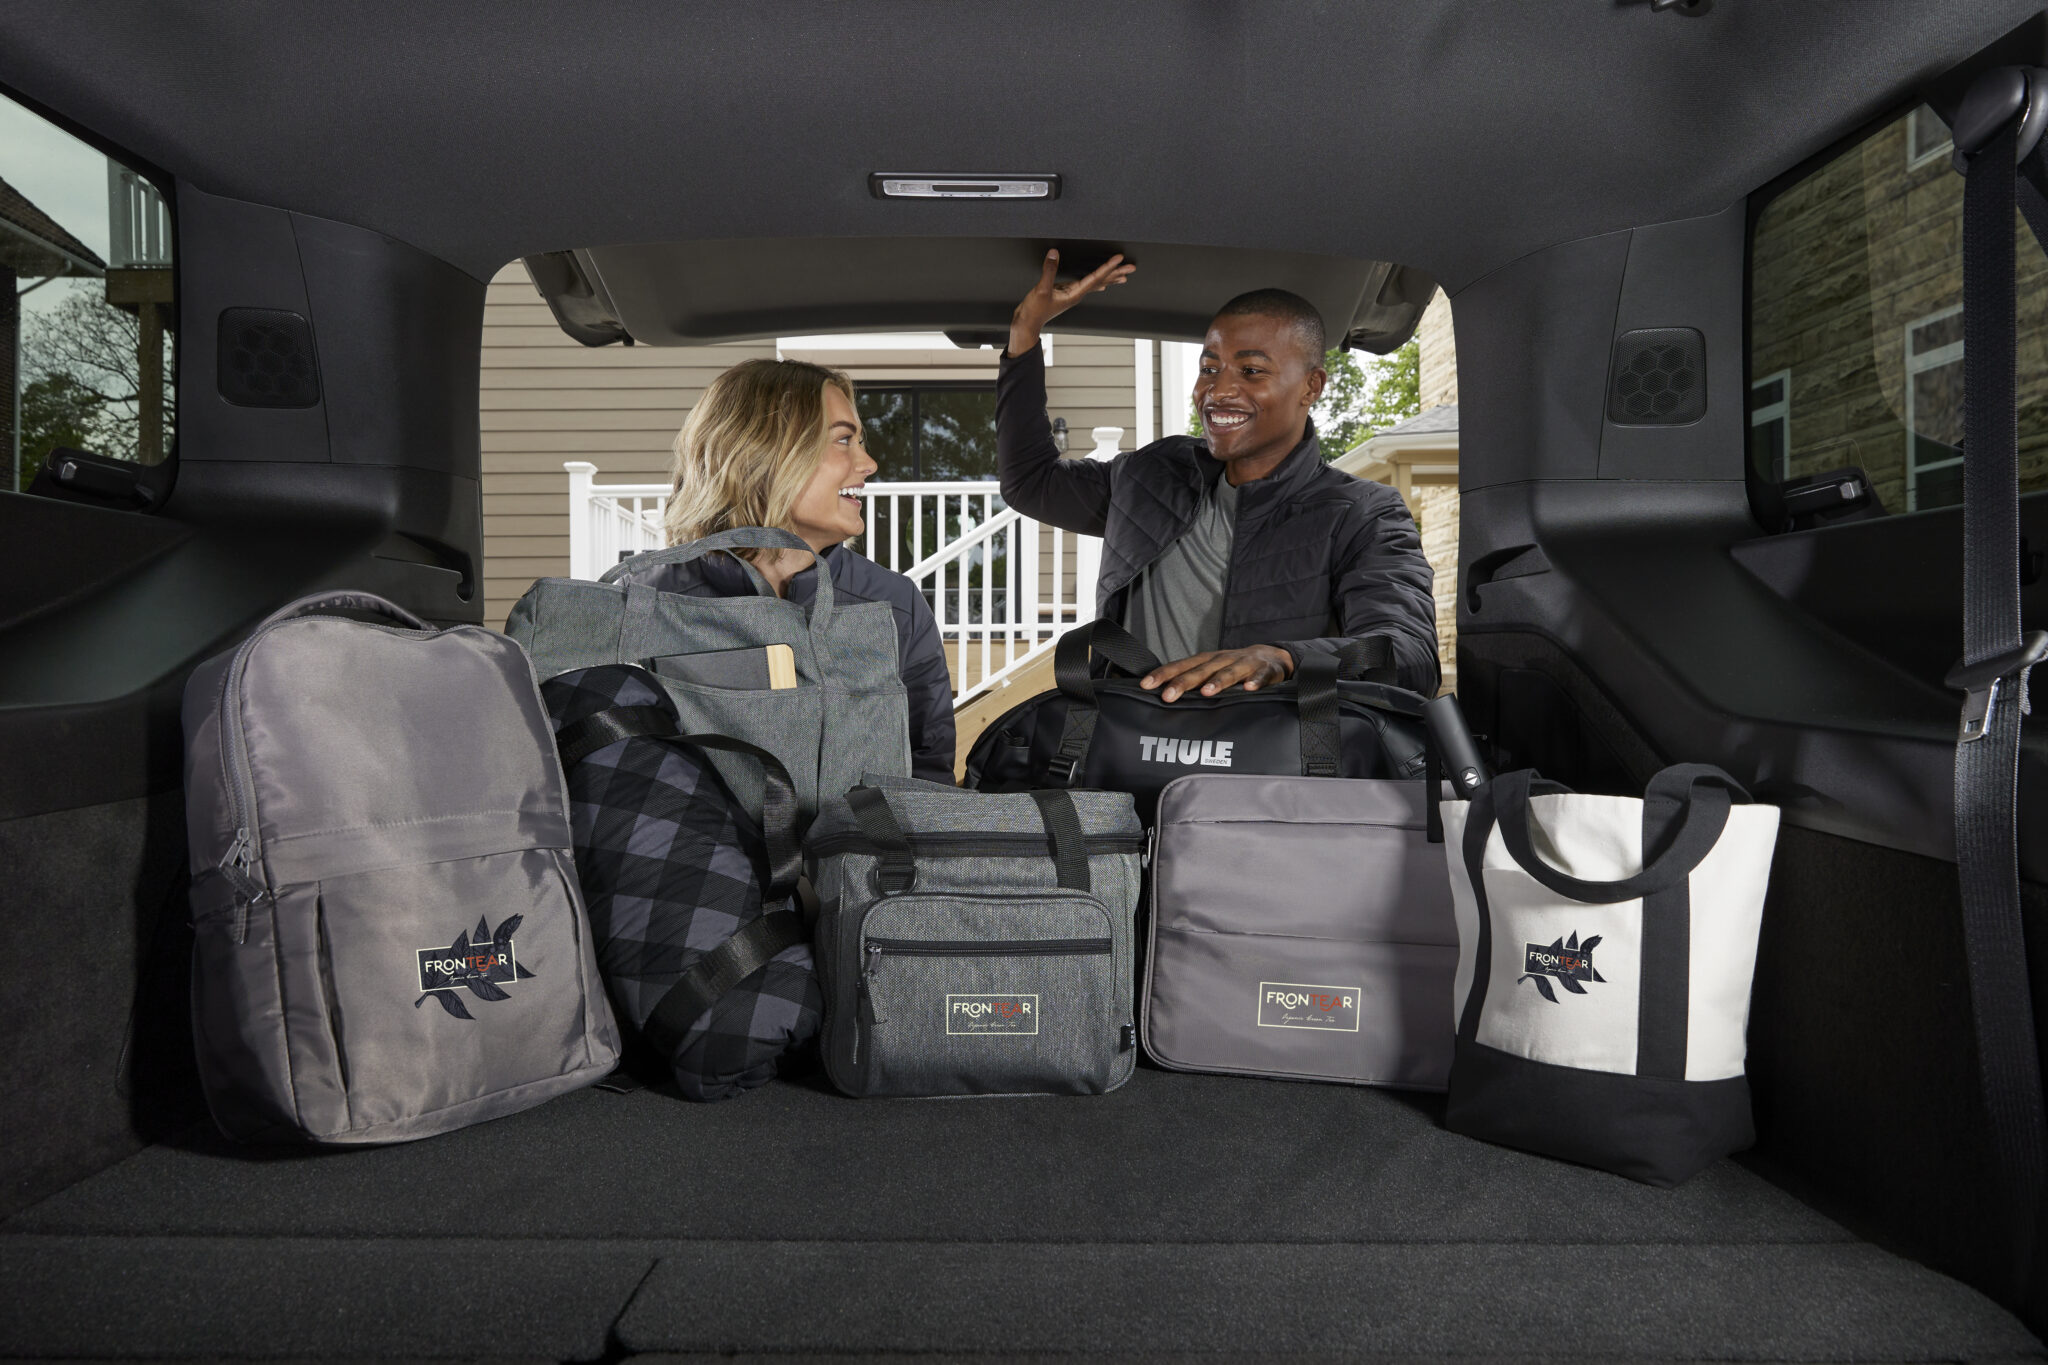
{"x": 991, "y": 994}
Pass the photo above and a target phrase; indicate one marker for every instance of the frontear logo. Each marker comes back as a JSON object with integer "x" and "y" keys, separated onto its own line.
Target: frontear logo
{"x": 1210, "y": 753}
{"x": 1567, "y": 962}
{"x": 984, "y": 1014}
{"x": 482, "y": 961}
{"x": 1288, "y": 1004}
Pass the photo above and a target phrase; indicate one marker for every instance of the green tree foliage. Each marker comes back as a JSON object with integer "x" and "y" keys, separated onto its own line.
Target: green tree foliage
{"x": 56, "y": 410}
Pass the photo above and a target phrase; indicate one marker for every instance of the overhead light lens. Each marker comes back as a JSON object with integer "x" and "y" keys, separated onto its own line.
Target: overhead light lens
{"x": 909, "y": 185}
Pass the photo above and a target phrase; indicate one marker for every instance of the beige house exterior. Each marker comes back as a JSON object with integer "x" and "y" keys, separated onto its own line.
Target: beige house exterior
{"x": 546, "y": 401}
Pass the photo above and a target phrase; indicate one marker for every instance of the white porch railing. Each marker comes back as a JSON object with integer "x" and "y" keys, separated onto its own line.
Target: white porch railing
{"x": 1003, "y": 587}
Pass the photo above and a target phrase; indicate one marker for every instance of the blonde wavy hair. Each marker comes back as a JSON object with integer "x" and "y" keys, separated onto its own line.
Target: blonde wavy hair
{"x": 749, "y": 447}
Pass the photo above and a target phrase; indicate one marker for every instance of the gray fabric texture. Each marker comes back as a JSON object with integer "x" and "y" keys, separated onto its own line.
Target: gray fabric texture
{"x": 1301, "y": 927}
{"x": 379, "y": 833}
{"x": 921, "y": 655}
{"x": 904, "y": 1017}
{"x": 1176, "y": 604}
{"x": 847, "y": 715}
{"x": 1318, "y": 558}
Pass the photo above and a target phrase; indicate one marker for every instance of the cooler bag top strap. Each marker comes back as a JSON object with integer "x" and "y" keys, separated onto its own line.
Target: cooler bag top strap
{"x": 754, "y": 944}
{"x": 739, "y": 538}
{"x": 1069, "y": 841}
{"x": 324, "y": 603}
{"x": 896, "y": 866}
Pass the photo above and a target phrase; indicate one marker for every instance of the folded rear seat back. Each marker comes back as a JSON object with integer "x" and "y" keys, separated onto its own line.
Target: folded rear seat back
{"x": 389, "y": 937}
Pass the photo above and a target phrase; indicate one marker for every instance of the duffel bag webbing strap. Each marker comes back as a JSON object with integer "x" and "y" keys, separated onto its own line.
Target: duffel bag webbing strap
{"x": 1072, "y": 665}
{"x": 1069, "y": 841}
{"x": 754, "y": 944}
{"x": 1370, "y": 659}
{"x": 896, "y": 866}
{"x": 1315, "y": 694}
{"x": 2000, "y": 108}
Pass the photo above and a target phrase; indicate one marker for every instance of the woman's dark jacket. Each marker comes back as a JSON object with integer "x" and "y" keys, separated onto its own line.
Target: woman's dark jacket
{"x": 855, "y": 578}
{"x": 1318, "y": 558}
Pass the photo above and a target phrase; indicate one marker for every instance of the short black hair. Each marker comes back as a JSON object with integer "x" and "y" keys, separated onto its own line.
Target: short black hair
{"x": 1292, "y": 309}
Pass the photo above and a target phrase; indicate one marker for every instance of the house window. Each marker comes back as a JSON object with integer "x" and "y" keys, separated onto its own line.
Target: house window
{"x": 1927, "y": 138}
{"x": 931, "y": 432}
{"x": 1934, "y": 410}
{"x": 1770, "y": 424}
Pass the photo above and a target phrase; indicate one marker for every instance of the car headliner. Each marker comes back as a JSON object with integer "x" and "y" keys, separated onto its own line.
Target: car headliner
{"x": 1442, "y": 134}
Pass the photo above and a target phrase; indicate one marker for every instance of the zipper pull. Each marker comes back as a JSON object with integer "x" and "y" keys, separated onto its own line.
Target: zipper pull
{"x": 237, "y": 867}
{"x": 1151, "y": 845}
{"x": 874, "y": 954}
{"x": 867, "y": 1011}
{"x": 1127, "y": 1038}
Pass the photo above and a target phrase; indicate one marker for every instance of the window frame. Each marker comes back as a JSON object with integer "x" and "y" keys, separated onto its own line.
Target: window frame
{"x": 915, "y": 387}
{"x": 1941, "y": 150}
{"x": 1780, "y": 411}
{"x": 1919, "y": 363}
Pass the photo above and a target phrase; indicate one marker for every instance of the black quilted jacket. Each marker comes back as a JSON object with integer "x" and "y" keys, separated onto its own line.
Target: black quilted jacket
{"x": 1319, "y": 558}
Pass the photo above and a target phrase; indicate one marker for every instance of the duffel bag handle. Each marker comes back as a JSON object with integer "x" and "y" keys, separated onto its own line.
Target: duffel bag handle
{"x": 345, "y": 599}
{"x": 754, "y": 944}
{"x": 1073, "y": 655}
{"x": 896, "y": 864}
{"x": 738, "y": 538}
{"x": 1703, "y": 793}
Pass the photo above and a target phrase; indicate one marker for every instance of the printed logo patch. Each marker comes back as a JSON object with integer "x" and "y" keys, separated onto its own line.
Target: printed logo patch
{"x": 481, "y": 962}
{"x": 1288, "y": 1004}
{"x": 1210, "y": 753}
{"x": 991, "y": 1014}
{"x": 1567, "y": 962}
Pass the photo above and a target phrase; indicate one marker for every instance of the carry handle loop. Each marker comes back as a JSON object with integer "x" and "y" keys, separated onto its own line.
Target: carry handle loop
{"x": 320, "y": 603}
{"x": 1073, "y": 655}
{"x": 738, "y": 538}
{"x": 1315, "y": 697}
{"x": 1069, "y": 841}
{"x": 1704, "y": 792}
{"x": 579, "y": 739}
{"x": 896, "y": 865}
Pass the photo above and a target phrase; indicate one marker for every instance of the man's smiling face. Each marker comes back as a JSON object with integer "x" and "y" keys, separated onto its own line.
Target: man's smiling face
{"x": 1257, "y": 385}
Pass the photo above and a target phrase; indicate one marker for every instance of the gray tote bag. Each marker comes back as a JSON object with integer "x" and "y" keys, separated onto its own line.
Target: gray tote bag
{"x": 847, "y": 715}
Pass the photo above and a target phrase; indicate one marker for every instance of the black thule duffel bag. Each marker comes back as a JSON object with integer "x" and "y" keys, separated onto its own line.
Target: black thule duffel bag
{"x": 1109, "y": 733}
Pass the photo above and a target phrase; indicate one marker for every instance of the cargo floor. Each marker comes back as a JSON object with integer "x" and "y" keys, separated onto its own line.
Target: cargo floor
{"x": 1183, "y": 1214}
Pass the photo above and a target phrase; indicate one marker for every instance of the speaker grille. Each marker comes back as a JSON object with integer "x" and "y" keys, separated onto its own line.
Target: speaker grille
{"x": 1659, "y": 378}
{"x": 266, "y": 359}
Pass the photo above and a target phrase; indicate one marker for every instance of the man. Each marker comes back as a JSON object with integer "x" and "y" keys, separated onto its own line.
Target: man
{"x": 1233, "y": 557}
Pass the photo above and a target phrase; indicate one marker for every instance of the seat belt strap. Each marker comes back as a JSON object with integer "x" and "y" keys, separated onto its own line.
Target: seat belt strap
{"x": 1993, "y": 671}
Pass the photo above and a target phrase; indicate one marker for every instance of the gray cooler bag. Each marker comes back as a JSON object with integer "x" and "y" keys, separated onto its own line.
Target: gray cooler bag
{"x": 389, "y": 939}
{"x": 1301, "y": 928}
{"x": 847, "y": 715}
{"x": 976, "y": 944}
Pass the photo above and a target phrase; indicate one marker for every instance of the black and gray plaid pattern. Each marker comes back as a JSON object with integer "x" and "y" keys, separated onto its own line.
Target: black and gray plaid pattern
{"x": 671, "y": 866}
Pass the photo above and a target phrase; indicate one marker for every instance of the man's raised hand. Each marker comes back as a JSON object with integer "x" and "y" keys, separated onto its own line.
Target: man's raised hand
{"x": 1048, "y": 300}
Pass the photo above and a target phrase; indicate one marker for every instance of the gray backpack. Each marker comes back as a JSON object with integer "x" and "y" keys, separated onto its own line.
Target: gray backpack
{"x": 847, "y": 714}
{"x": 389, "y": 941}
{"x": 973, "y": 943}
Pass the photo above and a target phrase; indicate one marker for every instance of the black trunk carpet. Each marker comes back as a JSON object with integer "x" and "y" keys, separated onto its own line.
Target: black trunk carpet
{"x": 1181, "y": 1214}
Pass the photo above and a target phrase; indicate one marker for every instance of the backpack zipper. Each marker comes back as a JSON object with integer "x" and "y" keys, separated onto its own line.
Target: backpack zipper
{"x": 878, "y": 948}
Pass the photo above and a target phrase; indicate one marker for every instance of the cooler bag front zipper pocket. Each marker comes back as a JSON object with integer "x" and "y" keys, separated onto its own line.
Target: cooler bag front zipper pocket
{"x": 962, "y": 993}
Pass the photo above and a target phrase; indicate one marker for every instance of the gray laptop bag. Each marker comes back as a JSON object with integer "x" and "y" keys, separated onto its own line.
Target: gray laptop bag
{"x": 976, "y": 944}
{"x": 847, "y": 715}
{"x": 1301, "y": 928}
{"x": 389, "y": 938}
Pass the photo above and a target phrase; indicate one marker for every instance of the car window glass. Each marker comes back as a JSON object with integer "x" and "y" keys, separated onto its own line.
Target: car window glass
{"x": 1856, "y": 330}
{"x": 87, "y": 327}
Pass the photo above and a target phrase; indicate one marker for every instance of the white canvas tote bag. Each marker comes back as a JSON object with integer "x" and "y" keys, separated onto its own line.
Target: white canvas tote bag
{"x": 1605, "y": 949}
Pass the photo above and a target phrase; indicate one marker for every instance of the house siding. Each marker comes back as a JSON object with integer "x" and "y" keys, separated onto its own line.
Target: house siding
{"x": 545, "y": 400}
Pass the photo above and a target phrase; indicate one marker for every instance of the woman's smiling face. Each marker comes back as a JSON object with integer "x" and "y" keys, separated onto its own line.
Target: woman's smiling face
{"x": 830, "y": 508}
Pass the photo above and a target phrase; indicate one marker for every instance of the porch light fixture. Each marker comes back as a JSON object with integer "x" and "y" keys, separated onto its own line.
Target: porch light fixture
{"x": 929, "y": 185}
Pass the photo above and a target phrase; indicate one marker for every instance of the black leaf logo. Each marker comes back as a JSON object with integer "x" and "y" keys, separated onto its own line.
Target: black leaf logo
{"x": 481, "y": 961}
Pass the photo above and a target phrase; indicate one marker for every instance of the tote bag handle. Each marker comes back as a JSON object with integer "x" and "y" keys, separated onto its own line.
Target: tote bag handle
{"x": 739, "y": 538}
{"x": 344, "y": 599}
{"x": 1700, "y": 796}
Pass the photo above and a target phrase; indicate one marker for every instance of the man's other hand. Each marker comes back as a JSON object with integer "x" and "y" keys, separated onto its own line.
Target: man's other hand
{"x": 1254, "y": 666}
{"x": 1048, "y": 300}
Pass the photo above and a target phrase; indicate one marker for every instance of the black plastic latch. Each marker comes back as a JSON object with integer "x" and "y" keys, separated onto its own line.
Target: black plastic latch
{"x": 1981, "y": 683}
{"x": 1993, "y": 102}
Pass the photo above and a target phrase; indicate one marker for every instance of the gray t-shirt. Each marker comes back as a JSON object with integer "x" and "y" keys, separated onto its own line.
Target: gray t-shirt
{"x": 1176, "y": 606}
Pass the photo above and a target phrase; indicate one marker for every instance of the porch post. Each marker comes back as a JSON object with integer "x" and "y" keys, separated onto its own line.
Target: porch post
{"x": 581, "y": 472}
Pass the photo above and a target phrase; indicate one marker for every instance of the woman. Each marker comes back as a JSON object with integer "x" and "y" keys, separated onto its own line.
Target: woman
{"x": 780, "y": 443}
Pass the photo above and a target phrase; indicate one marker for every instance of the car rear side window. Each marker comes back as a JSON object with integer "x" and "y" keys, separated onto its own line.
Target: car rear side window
{"x": 88, "y": 337}
{"x": 1856, "y": 340}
